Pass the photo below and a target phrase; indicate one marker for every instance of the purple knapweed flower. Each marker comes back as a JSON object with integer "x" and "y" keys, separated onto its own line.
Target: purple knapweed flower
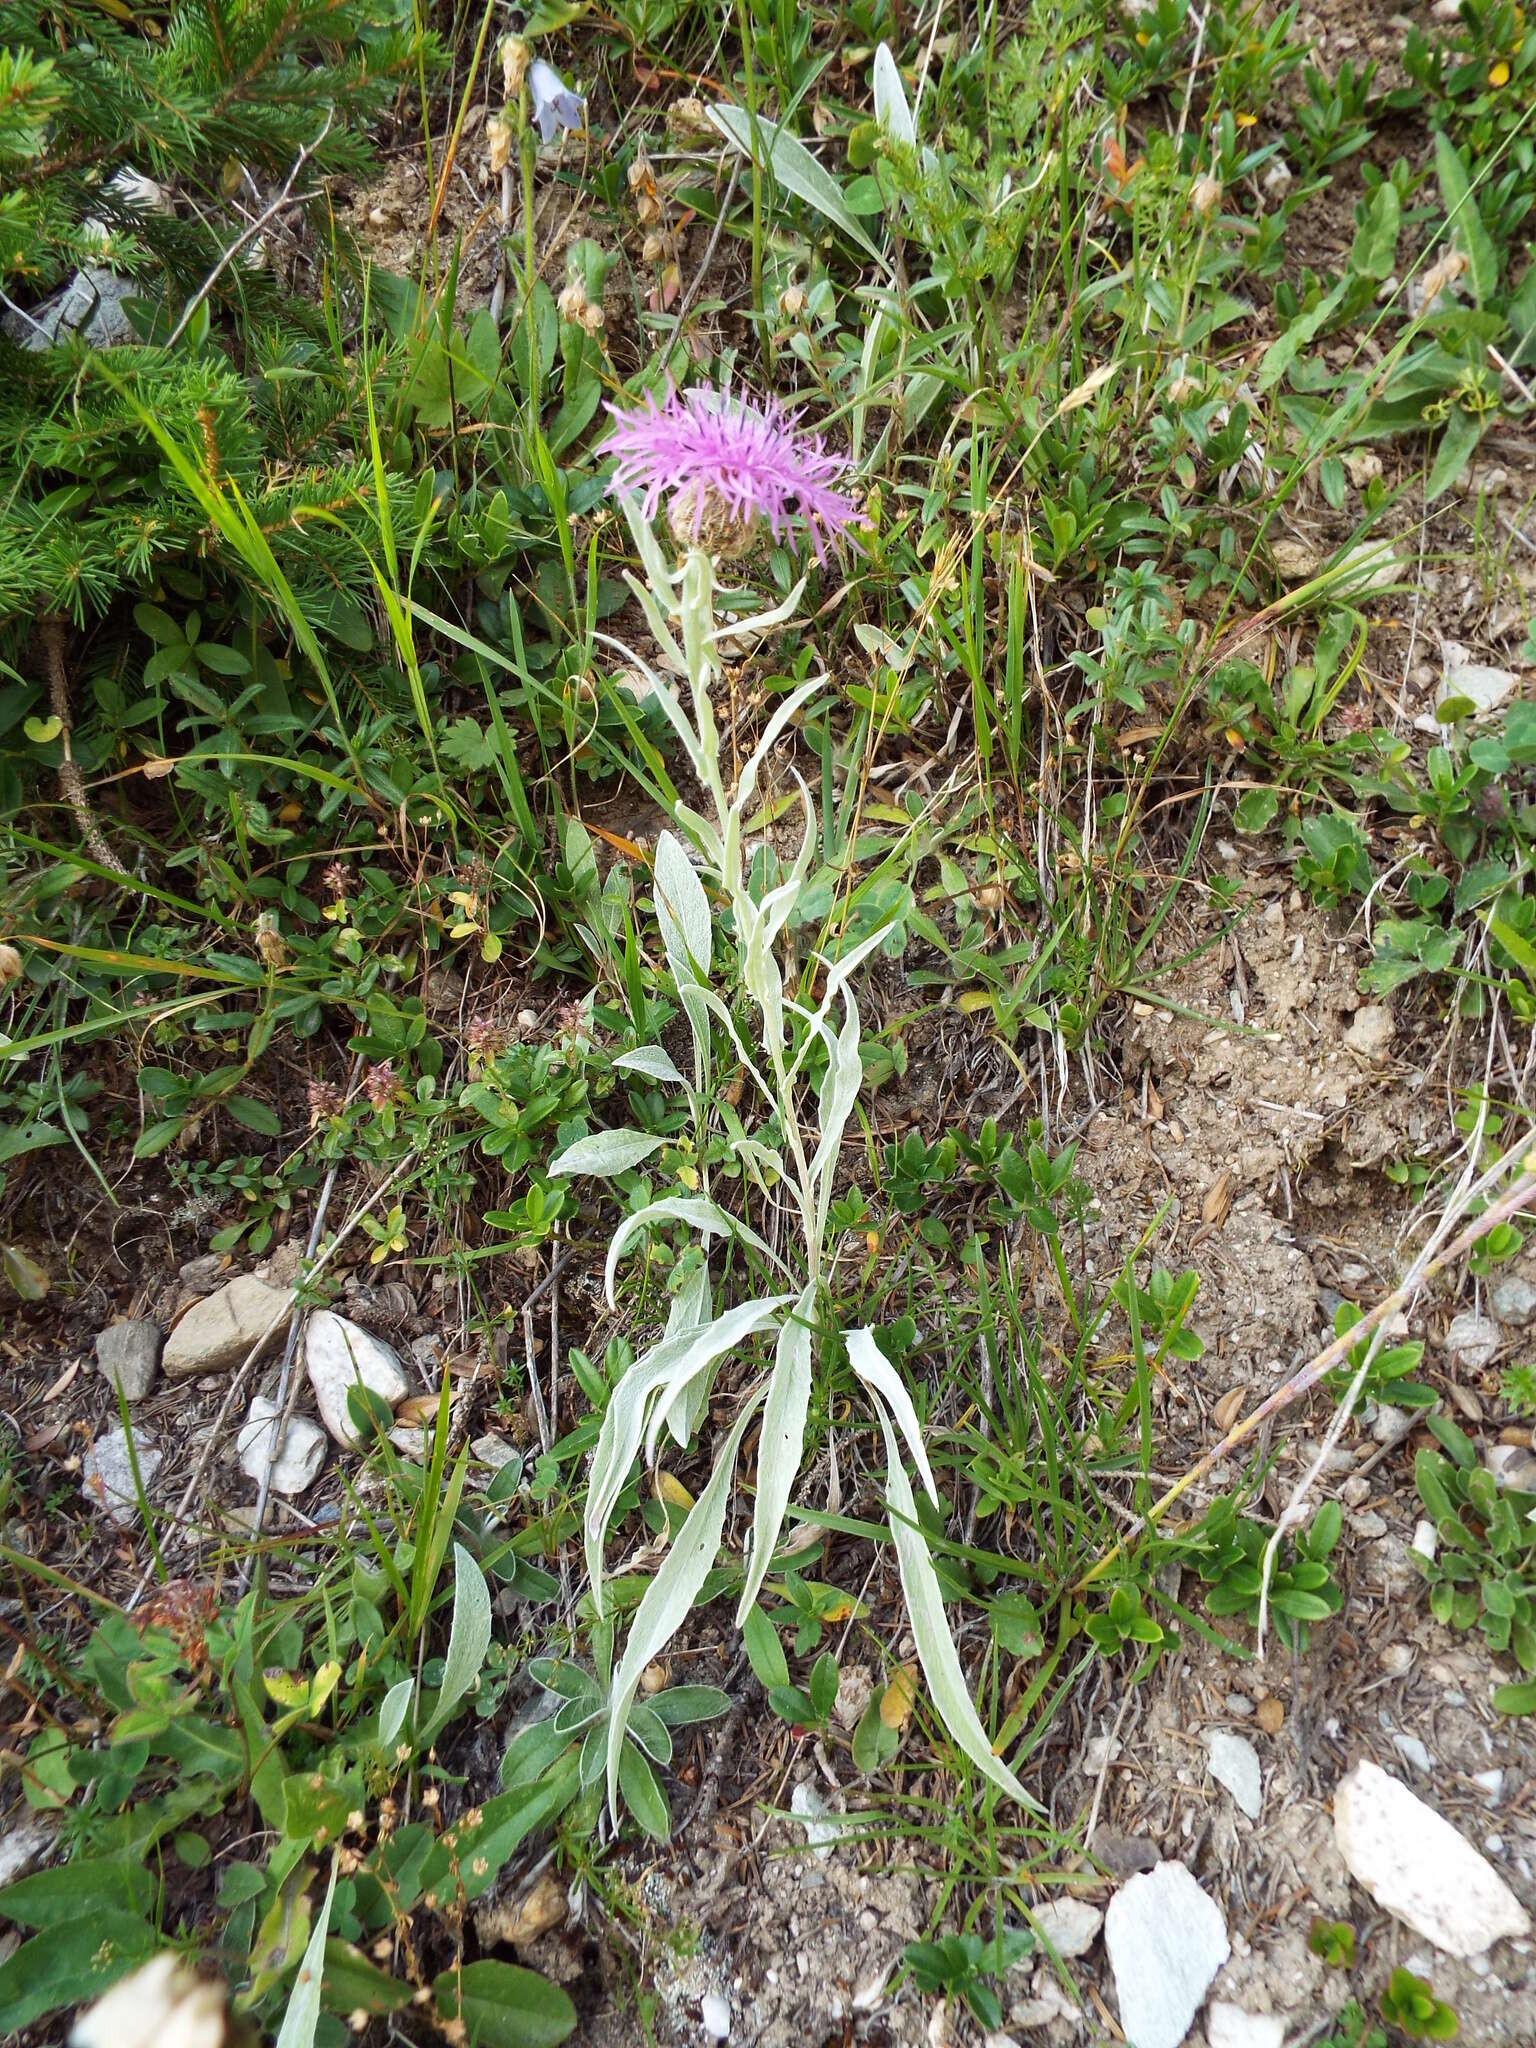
{"x": 726, "y": 462}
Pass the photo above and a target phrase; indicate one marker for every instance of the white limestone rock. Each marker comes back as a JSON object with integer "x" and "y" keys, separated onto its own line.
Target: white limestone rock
{"x": 1418, "y": 1868}
{"x": 337, "y": 1355}
{"x": 300, "y": 1454}
{"x": 1166, "y": 1940}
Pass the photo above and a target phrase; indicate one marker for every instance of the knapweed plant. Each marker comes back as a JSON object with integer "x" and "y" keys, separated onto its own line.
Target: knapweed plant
{"x": 727, "y": 468}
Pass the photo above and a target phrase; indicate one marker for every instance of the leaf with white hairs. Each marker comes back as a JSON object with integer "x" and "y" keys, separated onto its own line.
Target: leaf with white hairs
{"x": 872, "y": 1367}
{"x": 936, "y": 1650}
{"x": 605, "y": 1153}
{"x": 671, "y": 1364}
{"x": 699, "y": 1214}
{"x": 654, "y": 1061}
{"x": 670, "y": 1596}
{"x": 782, "y": 1443}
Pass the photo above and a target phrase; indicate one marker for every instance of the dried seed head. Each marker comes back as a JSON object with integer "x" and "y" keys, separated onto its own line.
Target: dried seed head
{"x": 498, "y": 134}
{"x": 1205, "y": 194}
{"x": 689, "y": 122}
{"x": 792, "y": 302}
{"x": 514, "y": 64}
{"x": 270, "y": 949}
{"x": 573, "y": 302}
{"x": 10, "y": 965}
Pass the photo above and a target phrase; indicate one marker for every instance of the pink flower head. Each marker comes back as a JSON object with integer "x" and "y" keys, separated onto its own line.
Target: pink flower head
{"x": 728, "y": 461}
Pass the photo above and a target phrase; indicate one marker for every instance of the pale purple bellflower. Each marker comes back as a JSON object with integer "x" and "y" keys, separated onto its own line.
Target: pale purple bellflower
{"x": 556, "y": 108}
{"x": 726, "y": 462}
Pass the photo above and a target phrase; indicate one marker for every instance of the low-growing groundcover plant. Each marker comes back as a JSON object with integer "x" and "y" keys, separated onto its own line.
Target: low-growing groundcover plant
{"x": 731, "y": 466}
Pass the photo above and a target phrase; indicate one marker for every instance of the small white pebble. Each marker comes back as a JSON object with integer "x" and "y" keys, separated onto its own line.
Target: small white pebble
{"x": 715, "y": 2012}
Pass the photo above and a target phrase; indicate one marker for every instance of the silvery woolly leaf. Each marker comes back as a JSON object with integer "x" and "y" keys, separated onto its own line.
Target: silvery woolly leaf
{"x": 839, "y": 1092}
{"x": 700, "y": 1215}
{"x": 682, "y": 911}
{"x": 782, "y": 1444}
{"x": 690, "y": 1309}
{"x": 605, "y": 1153}
{"x": 654, "y": 1061}
{"x": 671, "y": 1365}
{"x": 787, "y": 709}
{"x": 936, "y": 1650}
{"x": 891, "y": 109}
{"x": 867, "y": 1360}
{"x": 670, "y": 1596}
{"x": 469, "y": 1637}
{"x": 301, "y": 2017}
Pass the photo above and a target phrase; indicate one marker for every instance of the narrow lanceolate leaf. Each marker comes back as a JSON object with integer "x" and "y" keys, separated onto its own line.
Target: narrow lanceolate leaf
{"x": 1456, "y": 190}
{"x": 891, "y": 109}
{"x": 682, "y": 911}
{"x": 699, "y": 1214}
{"x": 839, "y": 1092}
{"x": 867, "y": 1360}
{"x": 654, "y": 1061}
{"x": 302, "y": 2016}
{"x": 670, "y": 1596}
{"x": 689, "y": 1311}
{"x": 782, "y": 1444}
{"x": 606, "y": 1153}
{"x": 469, "y": 1636}
{"x": 646, "y": 1390}
{"x": 393, "y": 1709}
{"x": 795, "y": 169}
{"x": 936, "y": 1650}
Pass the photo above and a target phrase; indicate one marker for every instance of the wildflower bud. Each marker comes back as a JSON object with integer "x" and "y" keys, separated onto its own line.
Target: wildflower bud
{"x": 270, "y": 950}
{"x": 792, "y": 302}
{"x": 698, "y": 516}
{"x": 10, "y": 966}
{"x": 1205, "y": 195}
{"x": 572, "y": 302}
{"x": 514, "y": 64}
{"x": 498, "y": 135}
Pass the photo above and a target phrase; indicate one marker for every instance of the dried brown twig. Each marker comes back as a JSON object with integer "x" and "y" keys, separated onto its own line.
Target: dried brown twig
{"x": 1519, "y": 1197}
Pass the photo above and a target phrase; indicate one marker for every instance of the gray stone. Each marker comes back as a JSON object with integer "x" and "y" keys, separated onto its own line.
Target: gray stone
{"x": 1071, "y": 1926}
{"x": 1417, "y": 1867}
{"x": 25, "y": 1845}
{"x": 1513, "y": 1301}
{"x": 91, "y": 305}
{"x": 221, "y": 1331}
{"x": 1235, "y": 1764}
{"x": 1124, "y": 1855}
{"x": 205, "y": 1272}
{"x": 1473, "y": 1339}
{"x": 1166, "y": 1940}
{"x": 300, "y": 1454}
{"x": 107, "y": 1476}
{"x": 1371, "y": 1032}
{"x": 337, "y": 1355}
{"x": 128, "y": 1356}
